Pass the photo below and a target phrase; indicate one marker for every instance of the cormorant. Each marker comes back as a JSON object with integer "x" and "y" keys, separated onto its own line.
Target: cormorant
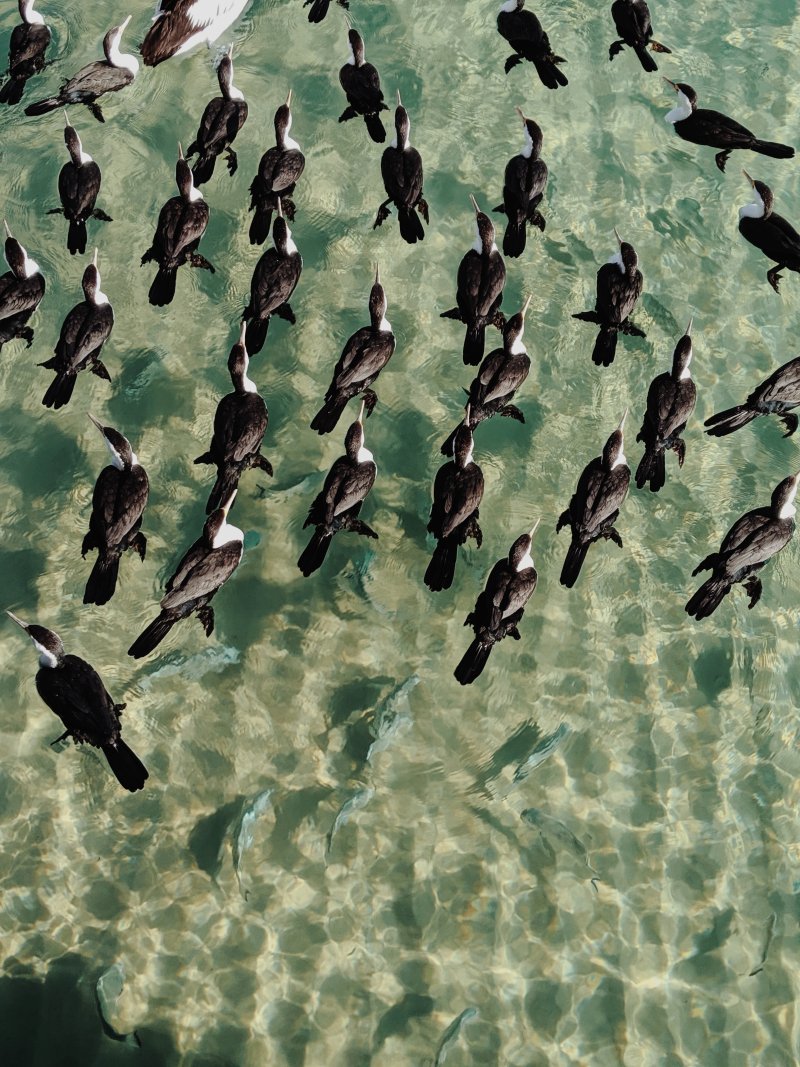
{"x": 73, "y": 689}
{"x": 21, "y": 291}
{"x": 479, "y": 294}
{"x": 278, "y": 173}
{"x": 274, "y": 280}
{"x": 338, "y": 505}
{"x": 776, "y": 237}
{"x": 524, "y": 33}
{"x": 752, "y": 540}
{"x": 523, "y": 188}
{"x": 78, "y": 186}
{"x": 319, "y": 8}
{"x": 362, "y": 87}
{"x": 180, "y": 25}
{"x": 26, "y": 51}
{"x": 222, "y": 119}
{"x": 632, "y": 19}
{"x": 119, "y": 499}
{"x": 240, "y": 423}
{"x": 593, "y": 510}
{"x": 181, "y": 224}
{"x": 108, "y": 75}
{"x": 619, "y": 286}
{"x": 401, "y": 168}
{"x": 500, "y": 607}
{"x": 776, "y": 395}
{"x": 364, "y": 356}
{"x": 712, "y": 128}
{"x": 199, "y": 576}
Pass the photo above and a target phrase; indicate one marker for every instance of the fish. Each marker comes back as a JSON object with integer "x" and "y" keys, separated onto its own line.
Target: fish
{"x": 212, "y": 660}
{"x": 354, "y": 803}
{"x": 541, "y": 751}
{"x": 553, "y": 829}
{"x": 243, "y": 831}
{"x": 393, "y": 717}
{"x": 452, "y": 1034}
{"x": 107, "y": 992}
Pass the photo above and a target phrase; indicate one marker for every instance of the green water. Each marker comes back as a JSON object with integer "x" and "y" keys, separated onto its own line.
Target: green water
{"x": 620, "y": 920}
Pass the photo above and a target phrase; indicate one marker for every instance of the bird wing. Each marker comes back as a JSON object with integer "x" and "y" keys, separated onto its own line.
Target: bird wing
{"x": 180, "y": 227}
{"x": 17, "y": 296}
{"x": 353, "y": 488}
{"x": 274, "y": 280}
{"x": 362, "y": 86}
{"x": 75, "y": 692}
{"x": 782, "y": 385}
{"x": 78, "y": 188}
{"x": 508, "y": 377}
{"x": 85, "y": 329}
{"x": 402, "y": 175}
{"x": 279, "y": 168}
{"x": 205, "y": 573}
{"x": 122, "y": 512}
{"x": 245, "y": 426}
{"x": 616, "y": 293}
{"x": 754, "y": 539}
{"x": 365, "y": 360}
{"x": 598, "y": 495}
{"x": 467, "y": 493}
{"x": 735, "y": 134}
{"x": 669, "y": 403}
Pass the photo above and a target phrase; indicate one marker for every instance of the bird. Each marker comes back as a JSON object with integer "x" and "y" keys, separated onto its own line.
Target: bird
{"x": 240, "y": 423}
{"x": 319, "y": 8}
{"x": 180, "y": 25}
{"x": 457, "y": 494}
{"x": 275, "y": 278}
{"x": 83, "y": 333}
{"x": 776, "y": 395}
{"x": 26, "y": 52}
{"x": 523, "y": 188}
{"x": 632, "y": 20}
{"x": 119, "y": 499}
{"x": 500, "y": 607}
{"x": 74, "y": 690}
{"x": 776, "y": 237}
{"x": 619, "y": 286}
{"x": 21, "y": 290}
{"x": 670, "y": 403}
{"x": 338, "y": 505}
{"x": 182, "y": 222}
{"x": 364, "y": 356}
{"x": 278, "y": 173}
{"x": 109, "y": 75}
{"x": 362, "y": 87}
{"x": 401, "y": 168}
{"x": 479, "y": 292}
{"x": 594, "y": 507}
{"x": 222, "y": 119}
{"x": 199, "y": 576}
{"x": 78, "y": 187}
{"x": 702, "y": 126}
{"x": 500, "y": 375}
{"x": 752, "y": 540}
{"x": 524, "y": 33}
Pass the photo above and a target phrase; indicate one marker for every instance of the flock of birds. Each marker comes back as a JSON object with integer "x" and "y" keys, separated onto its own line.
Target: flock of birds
{"x": 68, "y": 684}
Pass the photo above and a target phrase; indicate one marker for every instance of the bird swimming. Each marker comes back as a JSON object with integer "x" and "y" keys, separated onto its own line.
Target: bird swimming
{"x": 119, "y": 499}
{"x": 275, "y": 278}
{"x": 702, "y": 126}
{"x": 776, "y": 395}
{"x": 401, "y": 168}
{"x": 109, "y": 75}
{"x": 26, "y": 52}
{"x": 222, "y": 119}
{"x": 362, "y": 87}
{"x": 752, "y": 540}
{"x": 523, "y": 188}
{"x": 619, "y": 286}
{"x": 21, "y": 291}
{"x": 278, "y": 173}
{"x": 770, "y": 232}
{"x": 78, "y": 187}
{"x": 181, "y": 25}
{"x": 632, "y": 20}
{"x": 524, "y": 33}
{"x": 74, "y": 691}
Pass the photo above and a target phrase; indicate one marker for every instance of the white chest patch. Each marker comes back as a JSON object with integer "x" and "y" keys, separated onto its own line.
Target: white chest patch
{"x": 787, "y": 511}
{"x": 289, "y": 142}
{"x": 46, "y": 657}
{"x": 364, "y": 455}
{"x": 518, "y": 348}
{"x": 385, "y": 326}
{"x": 29, "y": 266}
{"x": 248, "y": 385}
{"x": 226, "y": 535}
{"x": 195, "y": 195}
{"x": 85, "y": 157}
{"x": 619, "y": 461}
{"x": 509, "y": 5}
{"x": 755, "y": 210}
{"x": 682, "y": 111}
{"x": 291, "y": 247}
{"x": 617, "y": 258}
{"x": 525, "y": 562}
{"x": 527, "y": 148}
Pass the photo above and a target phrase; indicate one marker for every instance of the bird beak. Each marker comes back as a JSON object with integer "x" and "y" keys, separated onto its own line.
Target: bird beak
{"x": 242, "y": 332}
{"x": 94, "y": 258}
{"x": 526, "y": 305}
{"x": 689, "y": 327}
{"x": 66, "y": 117}
{"x": 8, "y": 232}
{"x": 399, "y": 101}
{"x": 230, "y": 50}
{"x": 226, "y": 507}
{"x": 622, "y": 420}
{"x": 619, "y": 239}
{"x": 180, "y": 150}
{"x": 289, "y": 99}
{"x": 124, "y": 25}
{"x": 377, "y": 274}
{"x": 18, "y": 620}
{"x": 99, "y": 425}
{"x": 533, "y": 528}
{"x": 752, "y": 183}
{"x": 674, "y": 86}
{"x": 474, "y": 203}
{"x": 280, "y": 209}
{"x": 360, "y": 419}
{"x": 521, "y": 114}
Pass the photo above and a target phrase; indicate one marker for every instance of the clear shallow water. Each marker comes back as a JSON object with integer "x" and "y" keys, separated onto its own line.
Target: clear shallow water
{"x": 662, "y": 754}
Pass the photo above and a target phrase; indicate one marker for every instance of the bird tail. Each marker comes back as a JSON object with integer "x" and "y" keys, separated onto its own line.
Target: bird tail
{"x": 474, "y": 344}
{"x": 442, "y": 567}
{"x": 772, "y": 148}
{"x": 328, "y": 415}
{"x": 411, "y": 229}
{"x": 514, "y": 239}
{"x": 473, "y": 661}
{"x": 261, "y": 223}
{"x": 576, "y": 554}
{"x": 103, "y": 580}
{"x": 652, "y": 469}
{"x": 11, "y": 92}
{"x": 605, "y": 346}
{"x": 152, "y": 636}
{"x": 315, "y": 551}
{"x": 128, "y": 769}
{"x": 319, "y": 9}
{"x": 729, "y": 421}
{"x": 76, "y": 236}
{"x": 375, "y": 127}
{"x": 227, "y": 481}
{"x": 708, "y": 597}
{"x": 645, "y": 58}
{"x": 41, "y": 107}
{"x": 162, "y": 291}
{"x": 256, "y": 334}
{"x": 60, "y": 390}
{"x": 549, "y": 74}
{"x": 204, "y": 169}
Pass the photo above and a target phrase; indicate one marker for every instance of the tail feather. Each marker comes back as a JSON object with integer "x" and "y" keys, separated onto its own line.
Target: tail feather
{"x": 315, "y": 551}
{"x": 375, "y": 128}
{"x": 473, "y": 661}
{"x": 260, "y": 224}
{"x": 103, "y": 580}
{"x": 204, "y": 168}
{"x": 328, "y": 415}
{"x": 645, "y": 58}
{"x": 319, "y": 9}
{"x": 442, "y": 567}
{"x": 514, "y": 239}
{"x": 772, "y": 148}
{"x": 652, "y": 469}
{"x": 474, "y": 344}
{"x": 152, "y": 636}
{"x": 162, "y": 291}
{"x": 411, "y": 228}
{"x": 11, "y": 92}
{"x": 256, "y": 334}
{"x": 708, "y": 597}
{"x": 605, "y": 346}
{"x": 128, "y": 769}
{"x": 227, "y": 481}
{"x": 725, "y": 422}
{"x": 76, "y": 236}
{"x": 549, "y": 74}
{"x": 41, "y": 107}
{"x": 59, "y": 391}
{"x": 576, "y": 554}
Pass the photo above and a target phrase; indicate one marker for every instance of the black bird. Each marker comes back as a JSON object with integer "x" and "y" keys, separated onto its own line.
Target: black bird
{"x": 83, "y": 333}
{"x": 21, "y": 291}
{"x": 632, "y": 19}
{"x": 670, "y": 403}
{"x": 180, "y": 25}
{"x": 319, "y": 8}
{"x": 119, "y": 499}
{"x": 524, "y": 33}
{"x": 181, "y": 224}
{"x": 500, "y": 607}
{"x": 776, "y": 395}
{"x": 26, "y": 51}
{"x": 619, "y": 286}
{"x": 479, "y": 292}
{"x": 593, "y": 510}
{"x": 457, "y": 494}
{"x": 73, "y": 689}
{"x": 222, "y": 119}
{"x": 240, "y": 423}
{"x": 752, "y": 540}
{"x": 338, "y": 505}
{"x": 523, "y": 188}
{"x": 278, "y": 172}
{"x": 199, "y": 576}
{"x": 364, "y": 356}
{"x": 108, "y": 75}
{"x": 712, "y": 128}
{"x": 274, "y": 280}
{"x": 500, "y": 375}
{"x": 362, "y": 87}
{"x": 78, "y": 186}
{"x": 401, "y": 167}
{"x": 776, "y": 237}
